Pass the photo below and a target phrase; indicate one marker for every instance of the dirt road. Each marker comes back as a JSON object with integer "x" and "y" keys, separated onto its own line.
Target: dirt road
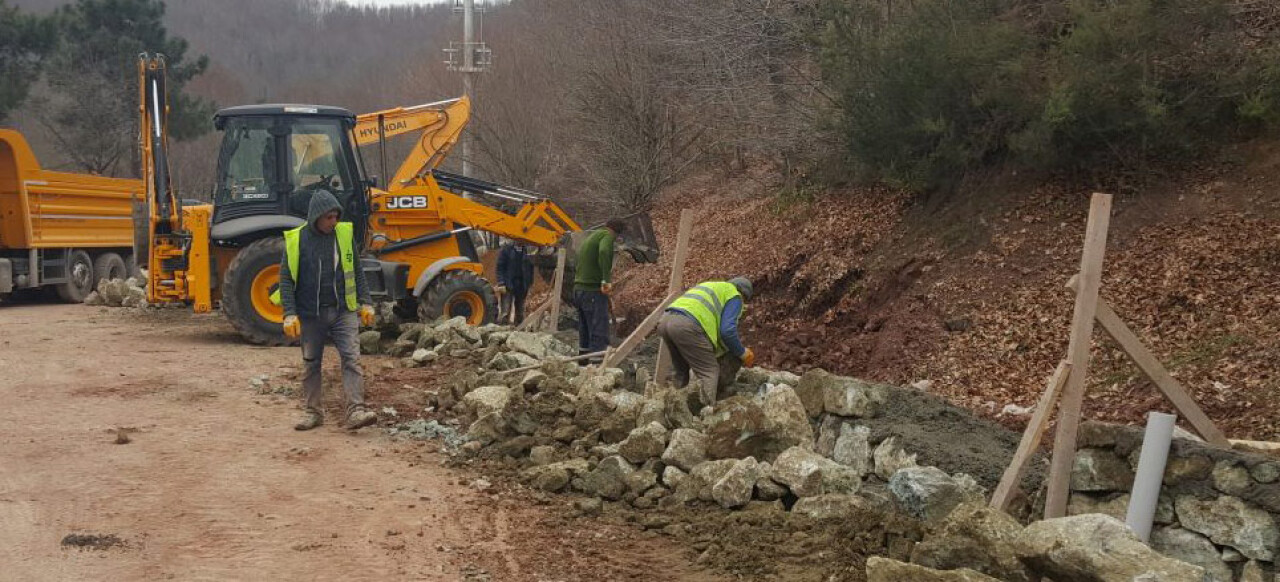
{"x": 216, "y": 485}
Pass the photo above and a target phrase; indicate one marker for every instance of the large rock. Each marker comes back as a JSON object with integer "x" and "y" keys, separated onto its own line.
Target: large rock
{"x": 1096, "y": 548}
{"x": 1231, "y": 478}
{"x": 828, "y": 434}
{"x": 785, "y": 418}
{"x": 607, "y": 480}
{"x": 851, "y": 397}
{"x": 1118, "y": 506}
{"x": 686, "y": 448}
{"x": 369, "y": 342}
{"x": 459, "y": 326}
{"x": 422, "y": 356}
{"x": 487, "y": 399}
{"x": 833, "y": 506}
{"x": 504, "y": 361}
{"x": 853, "y": 448}
{"x": 1100, "y": 470}
{"x": 597, "y": 380}
{"x": 488, "y": 429}
{"x": 1228, "y": 521}
{"x": 886, "y": 570}
{"x": 929, "y": 493}
{"x": 1192, "y": 548}
{"x": 113, "y": 291}
{"x": 698, "y": 484}
{"x": 1252, "y": 572}
{"x": 766, "y": 488}
{"x": 537, "y": 345}
{"x": 736, "y": 430}
{"x": 890, "y": 458}
{"x": 672, "y": 476}
{"x": 974, "y": 536}
{"x": 809, "y": 474}
{"x": 811, "y": 390}
{"x": 675, "y": 406}
{"x": 734, "y": 489}
{"x": 550, "y": 478}
{"x": 644, "y": 443}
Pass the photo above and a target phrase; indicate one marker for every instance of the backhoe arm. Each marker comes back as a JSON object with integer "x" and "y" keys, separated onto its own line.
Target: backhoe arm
{"x": 441, "y": 124}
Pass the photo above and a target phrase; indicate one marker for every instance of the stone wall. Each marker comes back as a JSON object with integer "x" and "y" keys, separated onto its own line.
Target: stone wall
{"x": 1218, "y": 508}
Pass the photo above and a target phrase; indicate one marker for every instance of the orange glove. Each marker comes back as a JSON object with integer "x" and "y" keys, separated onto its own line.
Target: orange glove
{"x": 292, "y": 326}
{"x": 366, "y": 315}
{"x": 748, "y": 358}
{"x": 606, "y": 288}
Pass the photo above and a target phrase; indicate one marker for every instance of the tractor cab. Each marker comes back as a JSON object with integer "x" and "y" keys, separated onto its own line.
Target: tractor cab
{"x": 272, "y": 159}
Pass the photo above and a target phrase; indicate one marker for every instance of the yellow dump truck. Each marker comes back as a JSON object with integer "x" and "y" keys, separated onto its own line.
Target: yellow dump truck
{"x": 58, "y": 230}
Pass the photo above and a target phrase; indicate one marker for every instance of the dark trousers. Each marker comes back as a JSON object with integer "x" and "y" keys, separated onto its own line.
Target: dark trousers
{"x": 340, "y": 328}
{"x": 513, "y": 302}
{"x": 593, "y": 320}
{"x": 691, "y": 352}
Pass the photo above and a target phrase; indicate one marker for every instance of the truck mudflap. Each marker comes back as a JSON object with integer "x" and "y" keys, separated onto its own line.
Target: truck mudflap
{"x": 6, "y": 276}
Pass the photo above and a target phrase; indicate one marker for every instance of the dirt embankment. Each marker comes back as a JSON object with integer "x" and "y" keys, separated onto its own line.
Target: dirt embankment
{"x": 970, "y": 296}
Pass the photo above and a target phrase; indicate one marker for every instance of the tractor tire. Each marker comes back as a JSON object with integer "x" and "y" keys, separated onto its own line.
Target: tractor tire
{"x": 80, "y": 279}
{"x": 109, "y": 266}
{"x": 246, "y": 290}
{"x": 131, "y": 266}
{"x": 459, "y": 293}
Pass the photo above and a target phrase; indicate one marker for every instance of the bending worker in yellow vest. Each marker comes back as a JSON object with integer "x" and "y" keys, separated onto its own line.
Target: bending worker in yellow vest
{"x": 322, "y": 290}
{"x": 700, "y": 332}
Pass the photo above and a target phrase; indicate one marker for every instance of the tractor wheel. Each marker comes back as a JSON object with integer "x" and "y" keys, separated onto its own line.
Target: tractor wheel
{"x": 459, "y": 293}
{"x": 251, "y": 277}
{"x": 79, "y": 277}
{"x": 109, "y": 266}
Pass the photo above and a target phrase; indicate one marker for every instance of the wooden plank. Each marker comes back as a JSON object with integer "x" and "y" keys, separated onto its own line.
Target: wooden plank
{"x": 533, "y": 316}
{"x": 554, "y": 325}
{"x": 1156, "y": 372}
{"x": 663, "y": 365}
{"x": 1064, "y": 440}
{"x": 642, "y": 331}
{"x": 1030, "y": 438}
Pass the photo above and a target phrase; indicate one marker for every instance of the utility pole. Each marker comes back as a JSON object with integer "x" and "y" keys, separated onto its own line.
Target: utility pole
{"x": 470, "y": 57}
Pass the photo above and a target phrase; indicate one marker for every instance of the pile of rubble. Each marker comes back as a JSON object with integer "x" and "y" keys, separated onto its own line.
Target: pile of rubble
{"x": 131, "y": 292}
{"x": 802, "y": 446}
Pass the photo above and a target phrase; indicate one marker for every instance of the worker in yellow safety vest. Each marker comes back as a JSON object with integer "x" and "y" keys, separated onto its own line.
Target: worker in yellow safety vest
{"x": 325, "y": 299}
{"x": 700, "y": 333}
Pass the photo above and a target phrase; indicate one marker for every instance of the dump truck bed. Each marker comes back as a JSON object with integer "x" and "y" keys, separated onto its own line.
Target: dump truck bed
{"x": 42, "y": 209}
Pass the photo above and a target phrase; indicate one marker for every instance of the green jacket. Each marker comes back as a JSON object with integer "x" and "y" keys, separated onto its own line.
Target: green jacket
{"x": 595, "y": 261}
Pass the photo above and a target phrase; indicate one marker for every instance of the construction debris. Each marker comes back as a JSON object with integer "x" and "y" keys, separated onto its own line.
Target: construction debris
{"x": 130, "y": 292}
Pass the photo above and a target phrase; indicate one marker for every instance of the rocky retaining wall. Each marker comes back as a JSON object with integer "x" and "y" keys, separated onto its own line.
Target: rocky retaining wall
{"x": 1218, "y": 508}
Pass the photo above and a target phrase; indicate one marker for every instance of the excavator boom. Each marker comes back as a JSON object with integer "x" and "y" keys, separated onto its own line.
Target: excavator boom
{"x": 441, "y": 124}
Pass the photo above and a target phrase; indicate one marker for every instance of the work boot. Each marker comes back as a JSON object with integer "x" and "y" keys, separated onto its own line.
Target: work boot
{"x": 361, "y": 418}
{"x": 310, "y": 421}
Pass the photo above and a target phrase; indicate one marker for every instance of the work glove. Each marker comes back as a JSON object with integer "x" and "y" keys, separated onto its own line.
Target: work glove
{"x": 606, "y": 288}
{"x": 292, "y": 327}
{"x": 502, "y": 289}
{"x": 748, "y": 358}
{"x": 366, "y": 315}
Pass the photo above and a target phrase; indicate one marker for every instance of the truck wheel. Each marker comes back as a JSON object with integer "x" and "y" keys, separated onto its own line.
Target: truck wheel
{"x": 109, "y": 266}
{"x": 251, "y": 277}
{"x": 79, "y": 277}
{"x": 459, "y": 293}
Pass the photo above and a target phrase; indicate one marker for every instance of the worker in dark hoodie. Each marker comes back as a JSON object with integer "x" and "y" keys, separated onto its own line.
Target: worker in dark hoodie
{"x": 325, "y": 300}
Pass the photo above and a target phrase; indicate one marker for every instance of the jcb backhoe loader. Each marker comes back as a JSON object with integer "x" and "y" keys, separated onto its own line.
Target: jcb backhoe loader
{"x": 417, "y": 250}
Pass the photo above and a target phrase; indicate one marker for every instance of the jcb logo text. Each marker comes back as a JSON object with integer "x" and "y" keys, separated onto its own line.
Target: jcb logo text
{"x": 402, "y": 202}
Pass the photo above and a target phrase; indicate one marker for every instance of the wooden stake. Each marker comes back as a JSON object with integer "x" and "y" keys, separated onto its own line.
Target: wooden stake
{"x": 1156, "y": 372}
{"x": 1030, "y": 438}
{"x": 556, "y": 287}
{"x": 1064, "y": 441}
{"x": 663, "y": 366}
{"x": 642, "y": 331}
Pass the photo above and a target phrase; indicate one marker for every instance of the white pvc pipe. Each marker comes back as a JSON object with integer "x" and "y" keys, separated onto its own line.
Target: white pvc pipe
{"x": 1146, "y": 484}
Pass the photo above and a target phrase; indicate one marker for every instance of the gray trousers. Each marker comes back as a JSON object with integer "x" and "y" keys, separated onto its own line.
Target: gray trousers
{"x": 690, "y": 350}
{"x": 341, "y": 328}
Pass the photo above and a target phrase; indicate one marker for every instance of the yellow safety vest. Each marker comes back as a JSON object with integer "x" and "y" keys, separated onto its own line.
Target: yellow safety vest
{"x": 705, "y": 302}
{"x": 344, "y": 231}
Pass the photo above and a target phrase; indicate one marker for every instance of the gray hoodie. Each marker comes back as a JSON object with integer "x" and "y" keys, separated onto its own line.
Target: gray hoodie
{"x": 317, "y": 285}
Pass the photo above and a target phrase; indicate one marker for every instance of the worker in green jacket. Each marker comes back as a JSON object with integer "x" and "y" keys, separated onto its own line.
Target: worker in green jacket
{"x": 592, "y": 284}
{"x": 699, "y": 332}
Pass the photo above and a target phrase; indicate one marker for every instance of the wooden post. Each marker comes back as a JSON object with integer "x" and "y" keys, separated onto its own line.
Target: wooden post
{"x": 1030, "y": 438}
{"x": 1064, "y": 441}
{"x": 1156, "y": 372}
{"x": 663, "y": 365}
{"x": 642, "y": 331}
{"x": 556, "y": 287}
